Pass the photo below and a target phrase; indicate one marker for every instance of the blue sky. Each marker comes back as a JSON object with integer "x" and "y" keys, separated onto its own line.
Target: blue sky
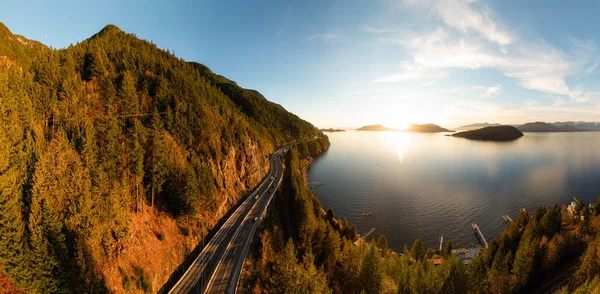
{"x": 349, "y": 63}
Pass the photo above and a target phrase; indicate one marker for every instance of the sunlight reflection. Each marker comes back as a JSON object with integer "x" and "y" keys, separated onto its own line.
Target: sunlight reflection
{"x": 399, "y": 140}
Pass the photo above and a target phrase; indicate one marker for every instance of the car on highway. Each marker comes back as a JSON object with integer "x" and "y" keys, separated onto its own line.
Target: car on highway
{"x": 256, "y": 197}
{"x": 255, "y": 219}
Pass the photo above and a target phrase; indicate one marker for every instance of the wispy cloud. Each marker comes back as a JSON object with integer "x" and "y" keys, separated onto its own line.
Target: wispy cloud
{"x": 409, "y": 71}
{"x": 427, "y": 84}
{"x": 323, "y": 37}
{"x": 462, "y": 15}
{"x": 471, "y": 38}
{"x": 492, "y": 91}
{"x": 373, "y": 30}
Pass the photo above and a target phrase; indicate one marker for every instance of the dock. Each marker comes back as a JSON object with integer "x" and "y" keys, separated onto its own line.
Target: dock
{"x": 362, "y": 238}
{"x": 368, "y": 233}
{"x": 507, "y": 218}
{"x": 476, "y": 227}
{"x": 441, "y": 242}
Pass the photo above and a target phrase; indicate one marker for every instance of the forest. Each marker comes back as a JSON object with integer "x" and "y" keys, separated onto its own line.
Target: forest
{"x": 316, "y": 252}
{"x": 109, "y": 139}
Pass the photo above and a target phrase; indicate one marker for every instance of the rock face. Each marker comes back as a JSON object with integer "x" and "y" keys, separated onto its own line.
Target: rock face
{"x": 426, "y": 128}
{"x": 238, "y": 173}
{"x": 499, "y": 133}
{"x": 373, "y": 128}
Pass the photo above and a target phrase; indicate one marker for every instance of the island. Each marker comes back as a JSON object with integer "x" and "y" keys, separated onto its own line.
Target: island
{"x": 426, "y": 128}
{"x": 497, "y": 133}
{"x": 374, "y": 128}
{"x": 331, "y": 130}
{"x": 542, "y": 127}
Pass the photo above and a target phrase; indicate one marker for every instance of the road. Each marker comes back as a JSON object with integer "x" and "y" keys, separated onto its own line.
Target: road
{"x": 217, "y": 268}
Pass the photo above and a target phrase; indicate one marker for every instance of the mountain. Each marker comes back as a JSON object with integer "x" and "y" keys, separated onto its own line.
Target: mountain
{"x": 117, "y": 158}
{"x": 579, "y": 125}
{"x": 497, "y": 133}
{"x": 477, "y": 126}
{"x": 546, "y": 127}
{"x": 373, "y": 128}
{"x": 17, "y": 50}
{"x": 426, "y": 128}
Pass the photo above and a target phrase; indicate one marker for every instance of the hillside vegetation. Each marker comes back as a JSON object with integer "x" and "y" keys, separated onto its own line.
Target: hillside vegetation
{"x": 318, "y": 252}
{"x": 116, "y": 158}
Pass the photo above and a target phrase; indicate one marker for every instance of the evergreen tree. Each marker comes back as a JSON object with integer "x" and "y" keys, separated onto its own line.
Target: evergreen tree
{"x": 417, "y": 251}
{"x": 156, "y": 157}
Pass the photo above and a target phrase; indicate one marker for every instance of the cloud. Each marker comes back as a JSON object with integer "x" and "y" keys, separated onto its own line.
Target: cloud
{"x": 492, "y": 91}
{"x": 461, "y": 14}
{"x": 323, "y": 37}
{"x": 592, "y": 68}
{"x": 427, "y": 84}
{"x": 409, "y": 71}
{"x": 407, "y": 74}
{"x": 470, "y": 38}
{"x": 369, "y": 29}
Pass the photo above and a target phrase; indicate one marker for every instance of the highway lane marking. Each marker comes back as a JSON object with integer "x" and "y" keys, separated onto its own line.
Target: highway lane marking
{"x": 219, "y": 236}
{"x": 210, "y": 282}
{"x": 206, "y": 255}
{"x": 252, "y": 208}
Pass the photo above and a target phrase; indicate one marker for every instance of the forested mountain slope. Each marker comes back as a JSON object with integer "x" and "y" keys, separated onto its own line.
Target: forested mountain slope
{"x": 116, "y": 158}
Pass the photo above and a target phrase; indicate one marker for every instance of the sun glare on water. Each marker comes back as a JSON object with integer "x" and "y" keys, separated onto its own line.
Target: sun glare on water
{"x": 399, "y": 140}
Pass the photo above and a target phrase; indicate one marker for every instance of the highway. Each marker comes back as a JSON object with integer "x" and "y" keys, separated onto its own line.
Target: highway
{"x": 217, "y": 268}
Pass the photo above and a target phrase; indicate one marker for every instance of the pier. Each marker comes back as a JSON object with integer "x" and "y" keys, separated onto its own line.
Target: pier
{"x": 441, "y": 242}
{"x": 507, "y": 218}
{"x": 362, "y": 238}
{"x": 476, "y": 227}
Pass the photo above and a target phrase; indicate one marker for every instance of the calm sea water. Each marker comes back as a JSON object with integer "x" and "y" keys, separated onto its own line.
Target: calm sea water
{"x": 427, "y": 185}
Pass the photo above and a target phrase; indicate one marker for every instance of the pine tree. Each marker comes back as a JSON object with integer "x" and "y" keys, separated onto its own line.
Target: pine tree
{"x": 138, "y": 151}
{"x": 156, "y": 158}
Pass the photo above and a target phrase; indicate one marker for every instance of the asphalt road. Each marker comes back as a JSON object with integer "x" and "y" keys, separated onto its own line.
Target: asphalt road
{"x": 217, "y": 268}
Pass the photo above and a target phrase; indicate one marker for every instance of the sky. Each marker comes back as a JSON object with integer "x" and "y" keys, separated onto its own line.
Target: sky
{"x": 349, "y": 63}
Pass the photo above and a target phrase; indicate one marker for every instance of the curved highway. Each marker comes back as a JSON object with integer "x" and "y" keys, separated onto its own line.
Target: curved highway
{"x": 217, "y": 268}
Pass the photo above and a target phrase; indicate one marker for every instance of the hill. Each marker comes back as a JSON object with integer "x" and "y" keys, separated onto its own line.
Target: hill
{"x": 426, "y": 128}
{"x": 117, "y": 158}
{"x": 499, "y": 133}
{"x": 374, "y": 128}
{"x": 546, "y": 127}
{"x": 477, "y": 126}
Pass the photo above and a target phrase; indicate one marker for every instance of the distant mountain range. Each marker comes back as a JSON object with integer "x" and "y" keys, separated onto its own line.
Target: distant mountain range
{"x": 580, "y": 125}
{"x": 568, "y": 126}
{"x": 374, "y": 128}
{"x": 426, "y": 128}
{"x": 416, "y": 128}
{"x": 477, "y": 126}
{"x": 542, "y": 127}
